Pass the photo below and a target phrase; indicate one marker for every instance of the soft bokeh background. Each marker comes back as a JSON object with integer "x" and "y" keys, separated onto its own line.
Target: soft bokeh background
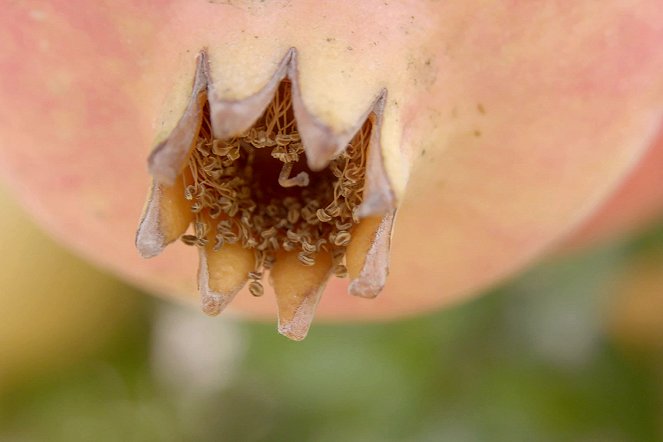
{"x": 571, "y": 350}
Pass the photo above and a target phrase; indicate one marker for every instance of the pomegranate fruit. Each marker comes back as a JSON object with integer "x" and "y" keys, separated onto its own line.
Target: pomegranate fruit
{"x": 637, "y": 202}
{"x": 491, "y": 130}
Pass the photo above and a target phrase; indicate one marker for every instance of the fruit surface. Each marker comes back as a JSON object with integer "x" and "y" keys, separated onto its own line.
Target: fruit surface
{"x": 506, "y": 124}
{"x": 635, "y": 204}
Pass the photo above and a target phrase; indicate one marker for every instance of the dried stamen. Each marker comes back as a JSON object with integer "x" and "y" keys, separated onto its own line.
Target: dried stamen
{"x": 301, "y": 179}
{"x": 256, "y": 190}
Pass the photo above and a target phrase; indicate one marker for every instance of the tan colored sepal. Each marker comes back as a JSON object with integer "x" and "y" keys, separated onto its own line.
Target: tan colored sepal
{"x": 167, "y": 216}
{"x": 222, "y": 274}
{"x": 298, "y": 289}
{"x": 379, "y": 196}
{"x": 232, "y": 118}
{"x": 169, "y": 157}
{"x": 367, "y": 257}
{"x": 321, "y": 142}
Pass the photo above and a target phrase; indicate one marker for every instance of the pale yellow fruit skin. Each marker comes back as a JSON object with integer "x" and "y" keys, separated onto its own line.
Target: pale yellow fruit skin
{"x": 506, "y": 125}
{"x": 55, "y": 308}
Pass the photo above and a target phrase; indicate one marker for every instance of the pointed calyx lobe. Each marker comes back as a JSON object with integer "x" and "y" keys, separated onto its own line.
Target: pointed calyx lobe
{"x": 262, "y": 184}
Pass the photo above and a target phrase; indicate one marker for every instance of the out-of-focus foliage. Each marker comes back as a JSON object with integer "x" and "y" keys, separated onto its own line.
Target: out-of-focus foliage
{"x": 55, "y": 309}
{"x": 561, "y": 353}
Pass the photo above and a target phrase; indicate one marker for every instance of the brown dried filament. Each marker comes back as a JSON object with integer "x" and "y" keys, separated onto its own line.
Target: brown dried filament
{"x": 256, "y": 190}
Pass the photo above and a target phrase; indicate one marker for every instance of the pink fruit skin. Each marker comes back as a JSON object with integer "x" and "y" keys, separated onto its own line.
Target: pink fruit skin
{"x": 529, "y": 119}
{"x": 635, "y": 204}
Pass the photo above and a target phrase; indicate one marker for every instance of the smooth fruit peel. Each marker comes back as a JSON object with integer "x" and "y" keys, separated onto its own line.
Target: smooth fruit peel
{"x": 510, "y": 124}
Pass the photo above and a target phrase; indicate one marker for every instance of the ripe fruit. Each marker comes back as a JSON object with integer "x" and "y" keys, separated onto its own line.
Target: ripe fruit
{"x": 636, "y": 203}
{"x": 502, "y": 125}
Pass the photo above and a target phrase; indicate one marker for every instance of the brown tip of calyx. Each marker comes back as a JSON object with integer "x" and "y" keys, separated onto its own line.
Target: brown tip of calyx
{"x": 221, "y": 275}
{"x": 212, "y": 303}
{"x": 167, "y": 160}
{"x": 298, "y": 289}
{"x": 164, "y": 219}
{"x": 149, "y": 237}
{"x": 296, "y": 327}
{"x": 379, "y": 196}
{"x": 320, "y": 141}
{"x": 368, "y": 256}
{"x": 230, "y": 118}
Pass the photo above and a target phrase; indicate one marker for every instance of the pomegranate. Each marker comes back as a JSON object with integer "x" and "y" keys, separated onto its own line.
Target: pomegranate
{"x": 444, "y": 144}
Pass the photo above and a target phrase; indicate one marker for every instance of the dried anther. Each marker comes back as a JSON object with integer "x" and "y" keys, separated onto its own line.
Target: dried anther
{"x": 253, "y": 204}
{"x": 232, "y": 180}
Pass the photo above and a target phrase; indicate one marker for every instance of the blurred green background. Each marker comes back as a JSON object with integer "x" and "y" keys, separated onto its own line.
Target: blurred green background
{"x": 572, "y": 350}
